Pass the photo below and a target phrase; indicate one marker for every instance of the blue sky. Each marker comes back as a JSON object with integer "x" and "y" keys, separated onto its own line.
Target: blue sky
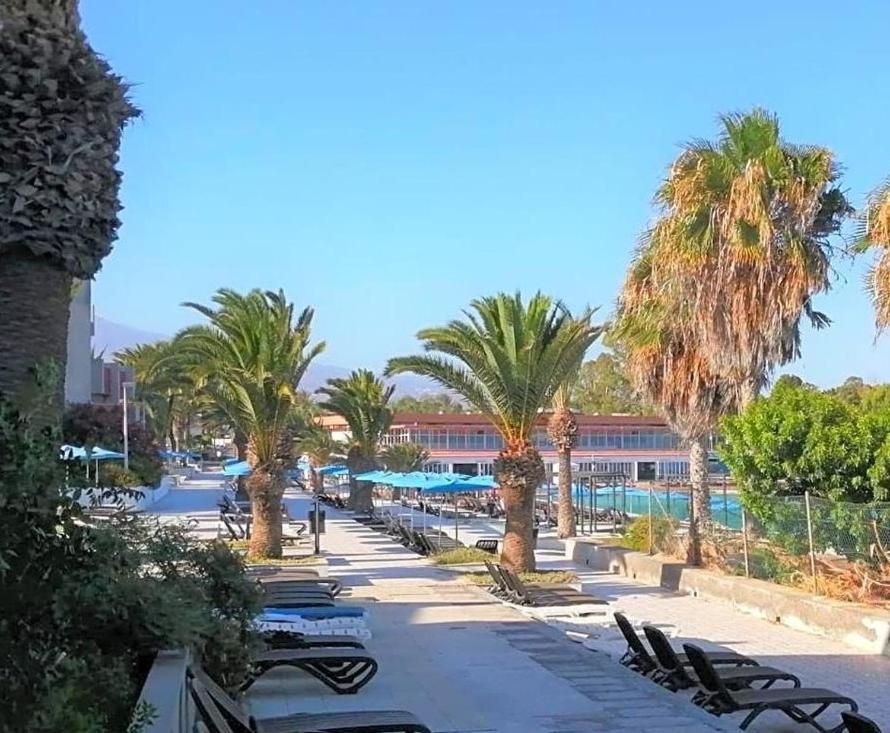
{"x": 386, "y": 162}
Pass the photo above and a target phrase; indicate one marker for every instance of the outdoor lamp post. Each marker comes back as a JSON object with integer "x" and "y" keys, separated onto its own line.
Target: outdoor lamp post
{"x": 124, "y": 386}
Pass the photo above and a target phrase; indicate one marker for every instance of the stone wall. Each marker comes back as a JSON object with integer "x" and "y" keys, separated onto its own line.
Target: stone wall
{"x": 859, "y": 626}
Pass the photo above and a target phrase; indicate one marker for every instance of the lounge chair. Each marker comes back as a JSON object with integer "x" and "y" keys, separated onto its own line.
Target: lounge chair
{"x": 638, "y": 658}
{"x": 542, "y": 594}
{"x": 856, "y": 723}
{"x": 487, "y": 546}
{"x": 343, "y": 669}
{"x": 296, "y": 640}
{"x": 674, "y": 676}
{"x": 284, "y": 584}
{"x": 500, "y": 587}
{"x": 789, "y": 701}
{"x": 223, "y": 715}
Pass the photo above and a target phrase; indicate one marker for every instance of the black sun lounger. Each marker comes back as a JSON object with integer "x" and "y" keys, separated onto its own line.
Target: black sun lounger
{"x": 673, "y": 675}
{"x": 790, "y": 701}
{"x": 856, "y": 723}
{"x": 344, "y": 670}
{"x": 545, "y": 594}
{"x": 223, "y": 715}
{"x": 638, "y": 658}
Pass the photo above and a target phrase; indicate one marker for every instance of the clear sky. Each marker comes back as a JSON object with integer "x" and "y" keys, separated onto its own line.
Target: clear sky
{"x": 386, "y": 162}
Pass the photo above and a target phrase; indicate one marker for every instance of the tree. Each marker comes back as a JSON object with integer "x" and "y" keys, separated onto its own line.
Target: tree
{"x": 250, "y": 359}
{"x": 319, "y": 446}
{"x": 802, "y": 439}
{"x": 667, "y": 367}
{"x": 743, "y": 239}
{"x": 602, "y": 387}
{"x": 165, "y": 387}
{"x": 562, "y": 429}
{"x": 507, "y": 359}
{"x": 442, "y": 402}
{"x": 874, "y": 232}
{"x": 404, "y": 457}
{"x": 363, "y": 401}
{"x": 63, "y": 114}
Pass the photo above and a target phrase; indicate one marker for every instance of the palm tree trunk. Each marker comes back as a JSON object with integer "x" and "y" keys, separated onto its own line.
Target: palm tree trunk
{"x": 266, "y": 491}
{"x": 701, "y": 496}
{"x": 35, "y": 298}
{"x": 566, "y": 511}
{"x": 518, "y": 475}
{"x": 361, "y": 496}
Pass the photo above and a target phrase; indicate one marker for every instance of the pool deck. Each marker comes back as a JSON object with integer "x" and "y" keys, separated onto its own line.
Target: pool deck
{"x": 464, "y": 662}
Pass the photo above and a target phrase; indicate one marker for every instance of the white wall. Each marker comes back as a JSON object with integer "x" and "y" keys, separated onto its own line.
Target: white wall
{"x": 78, "y": 368}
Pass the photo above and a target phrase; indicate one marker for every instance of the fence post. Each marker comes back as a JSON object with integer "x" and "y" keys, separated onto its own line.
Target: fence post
{"x": 806, "y": 498}
{"x": 725, "y": 506}
{"x": 745, "y": 542}
{"x": 650, "y": 520}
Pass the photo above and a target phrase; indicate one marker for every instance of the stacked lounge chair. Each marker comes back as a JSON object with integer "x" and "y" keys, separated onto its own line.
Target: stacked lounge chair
{"x": 221, "y": 714}
{"x": 508, "y": 586}
{"x": 727, "y": 682}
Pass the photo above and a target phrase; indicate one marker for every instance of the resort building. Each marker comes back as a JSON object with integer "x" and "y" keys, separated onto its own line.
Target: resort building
{"x": 641, "y": 447}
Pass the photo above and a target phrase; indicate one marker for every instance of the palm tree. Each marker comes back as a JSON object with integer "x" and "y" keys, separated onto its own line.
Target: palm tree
{"x": 319, "y": 446}
{"x": 562, "y": 429}
{"x": 250, "y": 359}
{"x": 874, "y": 223}
{"x": 61, "y": 127}
{"x": 404, "y": 457}
{"x": 363, "y": 401}
{"x": 669, "y": 370}
{"x": 743, "y": 238}
{"x": 165, "y": 386}
{"x": 506, "y": 360}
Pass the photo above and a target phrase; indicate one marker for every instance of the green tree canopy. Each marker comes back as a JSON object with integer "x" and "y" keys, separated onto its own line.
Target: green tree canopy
{"x": 801, "y": 439}
{"x": 404, "y": 457}
{"x": 441, "y": 402}
{"x": 602, "y": 387}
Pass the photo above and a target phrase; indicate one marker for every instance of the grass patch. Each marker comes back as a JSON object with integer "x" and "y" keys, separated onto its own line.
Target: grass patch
{"x": 462, "y": 556}
{"x": 283, "y": 561}
{"x": 565, "y": 577}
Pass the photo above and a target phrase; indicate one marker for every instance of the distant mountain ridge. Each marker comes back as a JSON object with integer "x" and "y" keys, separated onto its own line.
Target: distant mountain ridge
{"x": 110, "y": 337}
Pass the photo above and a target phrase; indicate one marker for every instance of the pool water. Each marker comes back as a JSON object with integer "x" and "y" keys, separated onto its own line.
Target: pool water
{"x": 725, "y": 508}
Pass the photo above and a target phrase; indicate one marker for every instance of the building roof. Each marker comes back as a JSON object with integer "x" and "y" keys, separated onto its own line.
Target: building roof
{"x": 472, "y": 420}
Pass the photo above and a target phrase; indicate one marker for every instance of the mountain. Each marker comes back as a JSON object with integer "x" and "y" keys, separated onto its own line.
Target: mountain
{"x": 110, "y": 337}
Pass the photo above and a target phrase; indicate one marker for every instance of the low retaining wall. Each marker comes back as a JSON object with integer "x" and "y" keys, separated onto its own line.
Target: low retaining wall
{"x": 858, "y": 626}
{"x": 166, "y": 692}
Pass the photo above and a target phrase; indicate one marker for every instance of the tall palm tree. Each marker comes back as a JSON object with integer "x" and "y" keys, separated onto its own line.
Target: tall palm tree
{"x": 670, "y": 371}
{"x": 874, "y": 231}
{"x": 404, "y": 457}
{"x": 743, "y": 237}
{"x": 61, "y": 125}
{"x": 363, "y": 401}
{"x": 320, "y": 447}
{"x": 506, "y": 360}
{"x": 250, "y": 358}
{"x": 562, "y": 429}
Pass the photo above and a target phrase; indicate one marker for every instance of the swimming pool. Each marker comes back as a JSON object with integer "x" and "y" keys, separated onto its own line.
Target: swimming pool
{"x": 725, "y": 508}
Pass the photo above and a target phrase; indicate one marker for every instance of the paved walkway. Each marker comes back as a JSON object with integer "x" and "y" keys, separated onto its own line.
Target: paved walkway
{"x": 465, "y": 663}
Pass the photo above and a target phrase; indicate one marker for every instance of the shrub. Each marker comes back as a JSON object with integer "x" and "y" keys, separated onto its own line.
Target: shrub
{"x": 85, "y": 608}
{"x": 461, "y": 556}
{"x": 636, "y": 537}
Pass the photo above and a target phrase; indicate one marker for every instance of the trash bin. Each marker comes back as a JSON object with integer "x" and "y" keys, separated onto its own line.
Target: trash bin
{"x": 321, "y": 515}
{"x": 535, "y": 537}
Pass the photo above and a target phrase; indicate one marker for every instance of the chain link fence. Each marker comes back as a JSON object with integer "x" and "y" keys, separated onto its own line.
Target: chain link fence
{"x": 839, "y": 549}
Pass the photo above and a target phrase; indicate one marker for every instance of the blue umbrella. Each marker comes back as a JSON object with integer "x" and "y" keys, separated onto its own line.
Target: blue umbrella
{"x": 72, "y": 453}
{"x": 378, "y": 477}
{"x": 238, "y": 468}
{"x": 473, "y": 483}
{"x": 333, "y": 470}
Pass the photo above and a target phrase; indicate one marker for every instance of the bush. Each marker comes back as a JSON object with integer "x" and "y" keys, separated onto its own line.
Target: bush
{"x": 102, "y": 425}
{"x": 461, "y": 556}
{"x": 85, "y": 608}
{"x": 636, "y": 537}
